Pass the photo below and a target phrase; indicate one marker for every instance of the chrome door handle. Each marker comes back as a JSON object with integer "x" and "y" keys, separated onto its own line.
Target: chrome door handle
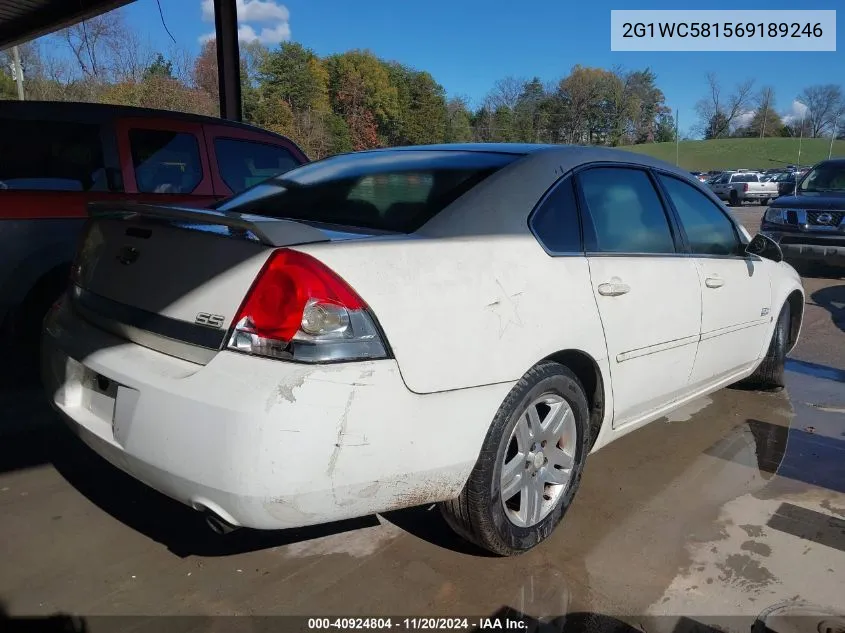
{"x": 614, "y": 288}
{"x": 714, "y": 282}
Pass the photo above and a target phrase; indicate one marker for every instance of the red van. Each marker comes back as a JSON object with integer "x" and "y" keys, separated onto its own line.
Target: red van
{"x": 57, "y": 157}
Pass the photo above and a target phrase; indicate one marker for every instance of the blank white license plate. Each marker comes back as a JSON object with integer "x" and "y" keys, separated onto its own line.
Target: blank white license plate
{"x": 99, "y": 395}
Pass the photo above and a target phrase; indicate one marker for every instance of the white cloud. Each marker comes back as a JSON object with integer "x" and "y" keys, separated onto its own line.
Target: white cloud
{"x": 276, "y": 16}
{"x": 744, "y": 118}
{"x": 796, "y": 111}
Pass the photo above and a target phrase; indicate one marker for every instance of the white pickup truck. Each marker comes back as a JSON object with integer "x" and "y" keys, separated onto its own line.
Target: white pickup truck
{"x": 740, "y": 186}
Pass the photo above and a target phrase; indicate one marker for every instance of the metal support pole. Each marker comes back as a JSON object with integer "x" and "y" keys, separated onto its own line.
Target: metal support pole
{"x": 16, "y": 56}
{"x": 228, "y": 59}
{"x": 677, "y": 137}
{"x": 801, "y": 138}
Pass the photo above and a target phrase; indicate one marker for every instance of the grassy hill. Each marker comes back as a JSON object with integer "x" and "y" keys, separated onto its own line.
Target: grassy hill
{"x": 741, "y": 153}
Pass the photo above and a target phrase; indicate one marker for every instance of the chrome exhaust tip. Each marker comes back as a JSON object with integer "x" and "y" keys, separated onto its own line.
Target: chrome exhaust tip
{"x": 218, "y": 525}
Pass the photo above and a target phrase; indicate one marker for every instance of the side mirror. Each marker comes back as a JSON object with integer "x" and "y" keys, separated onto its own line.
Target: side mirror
{"x": 764, "y": 246}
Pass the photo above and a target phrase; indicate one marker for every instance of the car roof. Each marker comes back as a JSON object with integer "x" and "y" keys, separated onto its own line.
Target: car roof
{"x": 98, "y": 112}
{"x": 566, "y": 157}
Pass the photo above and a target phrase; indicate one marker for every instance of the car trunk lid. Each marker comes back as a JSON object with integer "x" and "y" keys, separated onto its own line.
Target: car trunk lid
{"x": 172, "y": 279}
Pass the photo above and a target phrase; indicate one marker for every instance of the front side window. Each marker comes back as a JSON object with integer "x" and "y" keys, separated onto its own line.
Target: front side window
{"x": 51, "y": 156}
{"x": 709, "y": 231}
{"x": 627, "y": 214}
{"x": 243, "y": 164}
{"x": 555, "y": 222}
{"x": 386, "y": 190}
{"x": 165, "y": 161}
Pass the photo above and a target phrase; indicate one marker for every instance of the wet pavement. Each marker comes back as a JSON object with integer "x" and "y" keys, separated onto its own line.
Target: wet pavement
{"x": 732, "y": 506}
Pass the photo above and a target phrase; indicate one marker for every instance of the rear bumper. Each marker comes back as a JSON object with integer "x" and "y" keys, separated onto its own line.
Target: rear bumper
{"x": 263, "y": 443}
{"x": 755, "y": 195}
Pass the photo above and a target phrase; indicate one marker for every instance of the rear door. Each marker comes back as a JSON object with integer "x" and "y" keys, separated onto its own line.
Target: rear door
{"x": 241, "y": 158}
{"x": 736, "y": 291}
{"x": 164, "y": 161}
{"x": 646, "y": 289}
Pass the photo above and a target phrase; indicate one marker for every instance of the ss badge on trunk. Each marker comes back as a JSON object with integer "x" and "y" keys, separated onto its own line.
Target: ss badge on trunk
{"x": 209, "y": 320}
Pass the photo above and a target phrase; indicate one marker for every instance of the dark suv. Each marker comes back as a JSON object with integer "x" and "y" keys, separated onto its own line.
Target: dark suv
{"x": 810, "y": 225}
{"x": 55, "y": 158}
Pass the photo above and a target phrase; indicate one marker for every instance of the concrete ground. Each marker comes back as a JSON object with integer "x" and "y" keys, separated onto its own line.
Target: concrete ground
{"x": 725, "y": 509}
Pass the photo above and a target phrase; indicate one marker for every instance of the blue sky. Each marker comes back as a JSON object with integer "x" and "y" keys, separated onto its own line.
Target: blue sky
{"x": 468, "y": 44}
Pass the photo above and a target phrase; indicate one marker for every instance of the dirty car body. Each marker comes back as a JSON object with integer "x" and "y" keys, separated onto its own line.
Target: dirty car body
{"x": 336, "y": 341}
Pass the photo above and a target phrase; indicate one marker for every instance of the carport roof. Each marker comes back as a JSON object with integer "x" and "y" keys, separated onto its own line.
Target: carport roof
{"x": 24, "y": 20}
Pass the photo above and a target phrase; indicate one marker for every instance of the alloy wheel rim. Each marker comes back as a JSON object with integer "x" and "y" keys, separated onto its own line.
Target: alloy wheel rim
{"x": 539, "y": 460}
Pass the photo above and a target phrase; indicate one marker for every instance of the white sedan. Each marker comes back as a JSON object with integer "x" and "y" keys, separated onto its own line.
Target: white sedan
{"x": 460, "y": 324}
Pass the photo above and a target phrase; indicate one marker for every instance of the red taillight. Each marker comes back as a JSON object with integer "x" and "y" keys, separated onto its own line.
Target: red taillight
{"x": 299, "y": 309}
{"x": 744, "y": 186}
{"x": 288, "y": 282}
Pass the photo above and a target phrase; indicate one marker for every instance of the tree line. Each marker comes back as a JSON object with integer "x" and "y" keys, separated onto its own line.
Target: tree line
{"x": 818, "y": 111}
{"x": 348, "y": 101}
{"x": 356, "y": 100}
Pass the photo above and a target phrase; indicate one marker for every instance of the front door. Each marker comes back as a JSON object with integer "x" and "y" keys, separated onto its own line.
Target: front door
{"x": 647, "y": 290}
{"x": 736, "y": 290}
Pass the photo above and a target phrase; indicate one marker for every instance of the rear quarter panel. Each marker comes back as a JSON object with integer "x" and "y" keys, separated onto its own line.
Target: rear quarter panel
{"x": 471, "y": 311}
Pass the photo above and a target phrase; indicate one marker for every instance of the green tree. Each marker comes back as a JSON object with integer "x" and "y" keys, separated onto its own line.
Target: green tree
{"x": 361, "y": 92}
{"x": 8, "y": 90}
{"x": 161, "y": 68}
{"x": 295, "y": 75}
{"x": 422, "y": 107}
{"x": 664, "y": 130}
{"x": 458, "y": 121}
{"x": 530, "y": 119}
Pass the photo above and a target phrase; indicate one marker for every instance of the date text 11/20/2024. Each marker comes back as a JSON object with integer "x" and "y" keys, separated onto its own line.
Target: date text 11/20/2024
{"x": 418, "y": 624}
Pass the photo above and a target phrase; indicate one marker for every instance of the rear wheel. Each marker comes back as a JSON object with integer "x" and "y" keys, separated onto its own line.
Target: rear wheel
{"x": 769, "y": 376}
{"x": 733, "y": 199}
{"x": 29, "y": 320}
{"x": 764, "y": 202}
{"x": 530, "y": 465}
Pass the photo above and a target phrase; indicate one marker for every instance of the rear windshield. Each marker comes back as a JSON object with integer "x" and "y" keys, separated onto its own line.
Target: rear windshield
{"x": 744, "y": 178}
{"x": 388, "y": 190}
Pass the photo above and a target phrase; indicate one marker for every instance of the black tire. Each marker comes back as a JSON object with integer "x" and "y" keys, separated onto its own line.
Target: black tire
{"x": 764, "y": 202}
{"x": 477, "y": 514}
{"x": 769, "y": 376}
{"x": 733, "y": 199}
{"x": 29, "y": 321}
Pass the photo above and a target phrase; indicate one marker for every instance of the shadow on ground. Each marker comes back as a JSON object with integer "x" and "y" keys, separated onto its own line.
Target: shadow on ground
{"x": 832, "y": 299}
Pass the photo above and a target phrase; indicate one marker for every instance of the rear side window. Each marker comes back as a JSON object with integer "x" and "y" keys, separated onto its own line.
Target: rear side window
{"x": 708, "y": 229}
{"x": 627, "y": 214}
{"x": 165, "y": 161}
{"x": 51, "y": 156}
{"x": 383, "y": 190}
{"x": 555, "y": 222}
{"x": 243, "y": 164}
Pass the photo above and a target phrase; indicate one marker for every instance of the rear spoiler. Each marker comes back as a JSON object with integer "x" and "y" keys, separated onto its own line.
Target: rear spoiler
{"x": 268, "y": 231}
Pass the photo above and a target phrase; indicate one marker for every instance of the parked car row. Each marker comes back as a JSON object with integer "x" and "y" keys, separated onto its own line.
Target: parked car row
{"x": 55, "y": 158}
